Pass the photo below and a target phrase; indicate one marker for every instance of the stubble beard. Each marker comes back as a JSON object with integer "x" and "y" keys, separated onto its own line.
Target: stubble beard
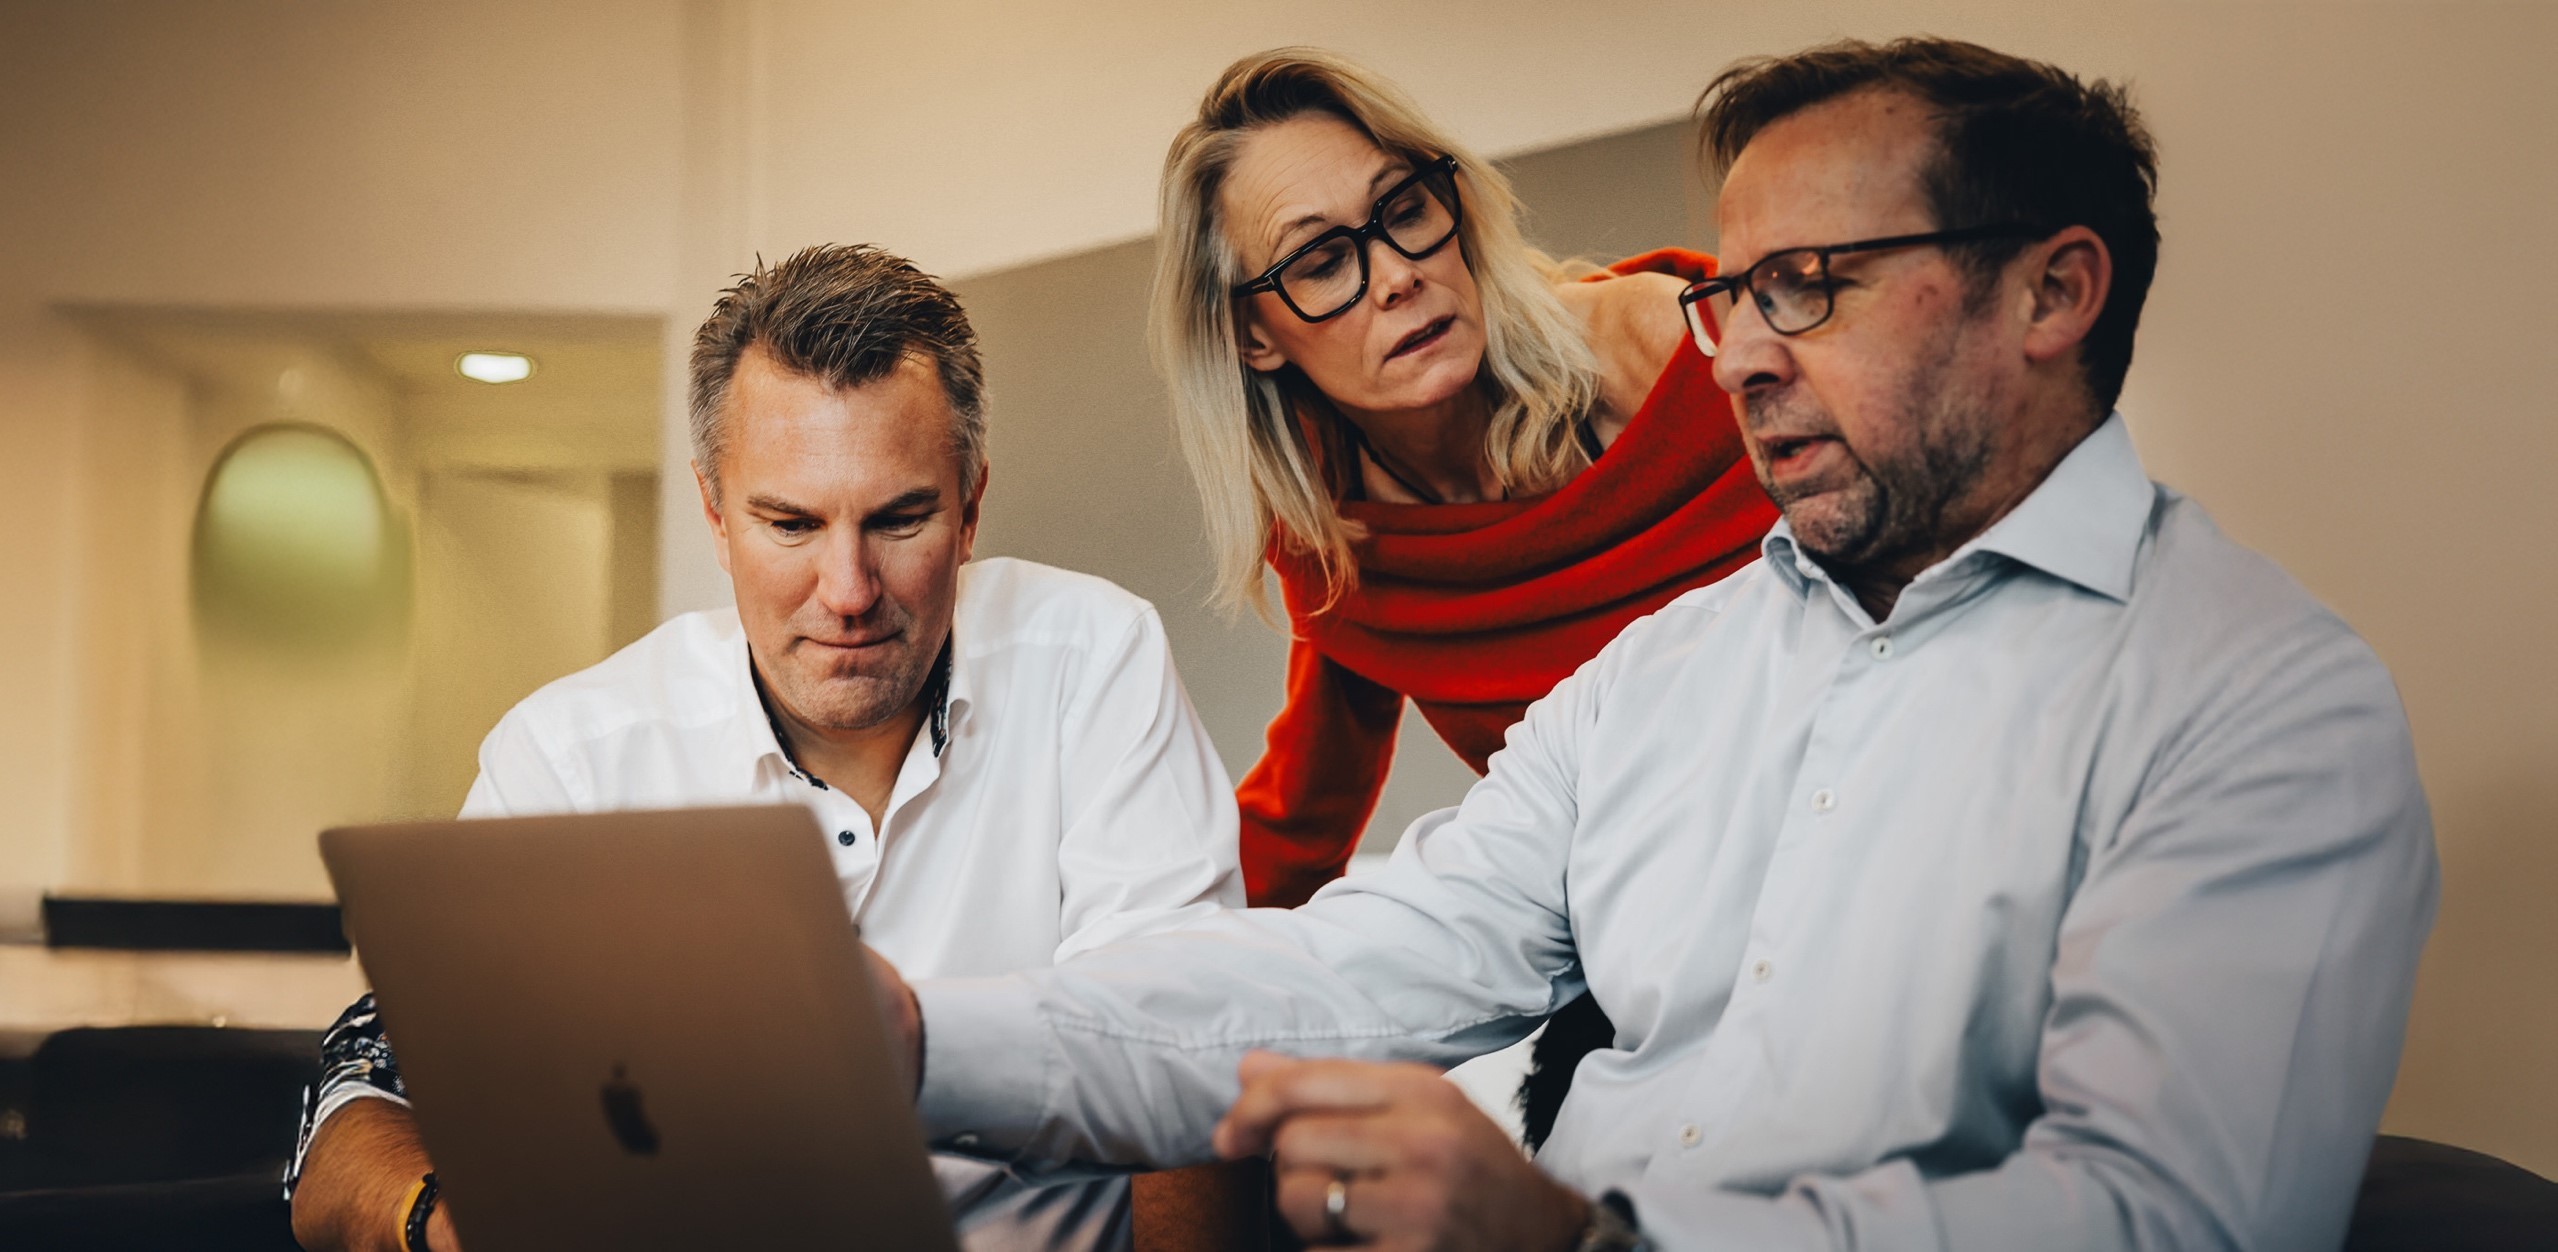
{"x": 826, "y": 695}
{"x": 1897, "y": 506}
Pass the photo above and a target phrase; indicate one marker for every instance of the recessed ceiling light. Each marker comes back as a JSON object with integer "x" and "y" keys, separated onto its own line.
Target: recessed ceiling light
{"x": 495, "y": 367}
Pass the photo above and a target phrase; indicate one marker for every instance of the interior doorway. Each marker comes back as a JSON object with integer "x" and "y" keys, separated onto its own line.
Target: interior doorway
{"x": 266, "y": 650}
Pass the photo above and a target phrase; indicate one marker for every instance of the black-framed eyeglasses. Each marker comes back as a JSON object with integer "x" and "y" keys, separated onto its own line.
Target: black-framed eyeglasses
{"x": 1326, "y": 276}
{"x": 1792, "y": 288}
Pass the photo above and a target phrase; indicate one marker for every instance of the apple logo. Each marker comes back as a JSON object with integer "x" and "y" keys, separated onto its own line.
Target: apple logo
{"x": 623, "y": 1114}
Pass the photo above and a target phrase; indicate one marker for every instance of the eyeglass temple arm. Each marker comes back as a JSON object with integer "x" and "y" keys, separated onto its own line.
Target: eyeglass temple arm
{"x": 1967, "y": 234}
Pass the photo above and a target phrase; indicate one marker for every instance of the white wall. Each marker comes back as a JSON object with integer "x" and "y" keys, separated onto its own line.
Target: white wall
{"x": 514, "y": 589}
{"x": 204, "y": 760}
{"x": 130, "y": 489}
{"x": 466, "y": 153}
{"x": 240, "y": 749}
{"x": 2340, "y": 363}
{"x": 39, "y": 452}
{"x": 478, "y": 153}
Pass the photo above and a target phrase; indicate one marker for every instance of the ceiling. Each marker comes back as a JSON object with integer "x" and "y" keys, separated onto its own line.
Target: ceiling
{"x": 593, "y": 403}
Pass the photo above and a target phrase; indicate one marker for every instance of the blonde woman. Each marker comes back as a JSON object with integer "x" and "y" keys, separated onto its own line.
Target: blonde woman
{"x": 1468, "y": 470}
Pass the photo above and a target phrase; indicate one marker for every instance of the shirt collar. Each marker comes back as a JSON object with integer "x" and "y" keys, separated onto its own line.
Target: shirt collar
{"x": 2083, "y": 524}
{"x": 939, "y": 688}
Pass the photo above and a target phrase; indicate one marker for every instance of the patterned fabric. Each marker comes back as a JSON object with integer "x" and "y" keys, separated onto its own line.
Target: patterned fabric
{"x": 355, "y": 1064}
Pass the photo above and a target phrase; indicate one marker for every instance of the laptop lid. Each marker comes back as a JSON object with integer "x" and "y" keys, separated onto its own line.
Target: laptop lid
{"x": 638, "y": 1030}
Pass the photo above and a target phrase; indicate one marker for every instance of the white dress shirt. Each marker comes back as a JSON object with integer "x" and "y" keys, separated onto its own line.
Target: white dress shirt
{"x": 2076, "y": 905}
{"x": 1076, "y": 801}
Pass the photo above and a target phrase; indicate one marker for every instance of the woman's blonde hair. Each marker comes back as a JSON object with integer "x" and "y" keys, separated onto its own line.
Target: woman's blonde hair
{"x": 1258, "y": 479}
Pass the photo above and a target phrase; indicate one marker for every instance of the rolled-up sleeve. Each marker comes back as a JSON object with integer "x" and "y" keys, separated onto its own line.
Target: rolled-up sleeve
{"x": 355, "y": 1064}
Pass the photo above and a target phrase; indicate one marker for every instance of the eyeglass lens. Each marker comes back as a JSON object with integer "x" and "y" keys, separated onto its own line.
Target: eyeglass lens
{"x": 1791, "y": 290}
{"x": 1701, "y": 330}
{"x": 1415, "y": 219}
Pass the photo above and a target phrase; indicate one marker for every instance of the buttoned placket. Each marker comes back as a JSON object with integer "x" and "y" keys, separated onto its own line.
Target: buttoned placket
{"x": 855, "y": 848}
{"x": 1819, "y": 819}
{"x": 916, "y": 776}
{"x": 1742, "y": 1049}
{"x": 860, "y": 850}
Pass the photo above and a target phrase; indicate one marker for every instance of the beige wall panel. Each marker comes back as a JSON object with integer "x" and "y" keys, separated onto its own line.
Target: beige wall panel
{"x": 273, "y": 152}
{"x": 135, "y": 649}
{"x": 265, "y": 152}
{"x": 256, "y": 746}
{"x": 41, "y": 391}
{"x": 515, "y": 590}
{"x": 2340, "y": 363}
{"x": 635, "y": 545}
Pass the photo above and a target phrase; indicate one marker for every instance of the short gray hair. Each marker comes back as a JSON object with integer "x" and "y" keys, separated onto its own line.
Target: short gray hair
{"x": 846, "y": 314}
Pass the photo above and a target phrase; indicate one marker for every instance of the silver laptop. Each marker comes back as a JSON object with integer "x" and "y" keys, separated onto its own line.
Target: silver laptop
{"x": 637, "y": 1031}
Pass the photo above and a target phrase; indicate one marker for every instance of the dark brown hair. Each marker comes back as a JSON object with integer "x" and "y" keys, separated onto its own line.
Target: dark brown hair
{"x": 2017, "y": 141}
{"x": 846, "y": 314}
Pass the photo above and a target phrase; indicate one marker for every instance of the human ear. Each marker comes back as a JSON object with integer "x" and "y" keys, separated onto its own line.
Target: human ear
{"x": 968, "y": 513}
{"x": 2071, "y": 274}
{"x": 1254, "y": 347}
{"x": 710, "y": 513}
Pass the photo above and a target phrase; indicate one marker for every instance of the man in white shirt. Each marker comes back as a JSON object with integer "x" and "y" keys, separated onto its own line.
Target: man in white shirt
{"x": 1002, "y": 752}
{"x": 2008, "y": 860}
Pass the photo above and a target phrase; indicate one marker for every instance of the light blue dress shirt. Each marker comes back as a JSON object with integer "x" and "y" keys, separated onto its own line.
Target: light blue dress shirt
{"x": 2076, "y": 905}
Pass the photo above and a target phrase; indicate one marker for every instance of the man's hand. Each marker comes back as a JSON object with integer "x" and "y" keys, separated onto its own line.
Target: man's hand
{"x": 904, "y": 1016}
{"x": 356, "y": 1180}
{"x": 1421, "y": 1168}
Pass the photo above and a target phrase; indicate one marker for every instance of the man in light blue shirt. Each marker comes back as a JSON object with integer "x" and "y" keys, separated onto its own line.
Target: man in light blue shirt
{"x": 2007, "y": 860}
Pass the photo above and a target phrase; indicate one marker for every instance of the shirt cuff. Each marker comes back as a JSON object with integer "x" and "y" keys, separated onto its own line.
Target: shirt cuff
{"x": 986, "y": 1056}
{"x": 345, "y": 1094}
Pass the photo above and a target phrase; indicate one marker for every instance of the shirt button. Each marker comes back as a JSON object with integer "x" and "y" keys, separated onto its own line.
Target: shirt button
{"x": 845, "y": 837}
{"x": 1762, "y": 971}
{"x": 1823, "y": 801}
{"x": 1882, "y": 647}
{"x": 1690, "y": 1136}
